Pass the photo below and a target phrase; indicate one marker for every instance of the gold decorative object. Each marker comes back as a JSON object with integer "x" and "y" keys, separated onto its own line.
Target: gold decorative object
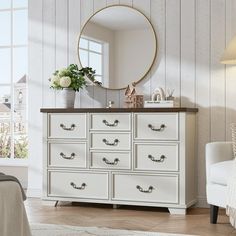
{"x": 133, "y": 100}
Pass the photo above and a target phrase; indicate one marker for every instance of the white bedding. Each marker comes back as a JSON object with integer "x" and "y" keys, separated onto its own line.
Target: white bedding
{"x": 13, "y": 218}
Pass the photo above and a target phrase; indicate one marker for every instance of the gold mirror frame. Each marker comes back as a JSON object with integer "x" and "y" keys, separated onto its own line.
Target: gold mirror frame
{"x": 155, "y": 38}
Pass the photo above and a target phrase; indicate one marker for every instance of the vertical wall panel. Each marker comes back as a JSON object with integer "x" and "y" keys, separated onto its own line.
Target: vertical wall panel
{"x": 112, "y": 2}
{"x": 73, "y": 35}
{"x": 173, "y": 47}
{"x": 144, "y": 86}
{"x": 48, "y": 51}
{"x": 74, "y": 30}
{"x": 230, "y": 70}
{"x": 126, "y": 2}
{"x": 188, "y": 53}
{"x": 86, "y": 95}
{"x": 61, "y": 33}
{"x": 99, "y": 4}
{"x": 217, "y": 70}
{"x": 203, "y": 10}
{"x": 61, "y": 41}
{"x": 158, "y": 71}
{"x": 35, "y": 94}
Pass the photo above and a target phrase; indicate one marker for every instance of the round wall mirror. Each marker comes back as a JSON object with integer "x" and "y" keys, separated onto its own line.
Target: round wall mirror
{"x": 120, "y": 43}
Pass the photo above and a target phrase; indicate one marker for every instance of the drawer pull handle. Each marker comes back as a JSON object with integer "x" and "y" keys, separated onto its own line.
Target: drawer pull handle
{"x": 114, "y": 163}
{"x": 71, "y": 128}
{"x": 161, "y": 159}
{"x": 83, "y": 185}
{"x": 115, "y": 123}
{"x": 115, "y": 142}
{"x": 162, "y": 127}
{"x": 149, "y": 190}
{"x": 71, "y": 157}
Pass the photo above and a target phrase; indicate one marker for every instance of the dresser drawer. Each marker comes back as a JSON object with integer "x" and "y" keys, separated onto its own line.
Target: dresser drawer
{"x": 110, "y": 160}
{"x": 78, "y": 185}
{"x": 114, "y": 121}
{"x": 67, "y": 126}
{"x": 156, "y": 126}
{"x": 146, "y": 188}
{"x": 111, "y": 141}
{"x": 67, "y": 155}
{"x": 156, "y": 157}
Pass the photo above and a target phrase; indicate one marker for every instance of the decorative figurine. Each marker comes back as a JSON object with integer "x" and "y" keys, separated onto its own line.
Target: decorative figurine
{"x": 160, "y": 98}
{"x": 132, "y": 98}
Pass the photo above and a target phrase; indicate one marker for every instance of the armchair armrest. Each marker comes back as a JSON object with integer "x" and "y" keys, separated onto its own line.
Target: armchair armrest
{"x": 217, "y": 152}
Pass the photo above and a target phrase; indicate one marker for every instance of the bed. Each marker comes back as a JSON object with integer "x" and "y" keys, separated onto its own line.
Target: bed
{"x": 13, "y": 216}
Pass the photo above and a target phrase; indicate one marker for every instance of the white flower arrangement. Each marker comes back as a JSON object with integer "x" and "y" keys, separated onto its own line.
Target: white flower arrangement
{"x": 65, "y": 81}
{"x": 72, "y": 78}
{"x": 55, "y": 81}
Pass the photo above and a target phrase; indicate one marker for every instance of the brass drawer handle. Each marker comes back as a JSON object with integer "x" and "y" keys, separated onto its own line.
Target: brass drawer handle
{"x": 115, "y": 162}
{"x": 161, "y": 159}
{"x": 115, "y": 142}
{"x": 115, "y": 123}
{"x": 71, "y": 157}
{"x": 83, "y": 185}
{"x": 149, "y": 190}
{"x": 162, "y": 127}
{"x": 71, "y": 128}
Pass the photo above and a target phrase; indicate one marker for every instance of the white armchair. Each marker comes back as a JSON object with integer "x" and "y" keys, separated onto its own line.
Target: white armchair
{"x": 219, "y": 167}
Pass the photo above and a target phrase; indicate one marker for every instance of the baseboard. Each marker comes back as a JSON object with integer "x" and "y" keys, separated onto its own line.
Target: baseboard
{"x": 34, "y": 193}
{"x": 202, "y": 202}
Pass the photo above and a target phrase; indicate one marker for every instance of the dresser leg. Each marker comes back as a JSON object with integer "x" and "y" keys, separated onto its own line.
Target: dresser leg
{"x": 177, "y": 211}
{"x": 56, "y": 203}
{"x": 115, "y": 206}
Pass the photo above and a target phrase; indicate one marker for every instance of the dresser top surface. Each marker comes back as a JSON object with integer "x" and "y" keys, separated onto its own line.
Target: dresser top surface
{"x": 104, "y": 110}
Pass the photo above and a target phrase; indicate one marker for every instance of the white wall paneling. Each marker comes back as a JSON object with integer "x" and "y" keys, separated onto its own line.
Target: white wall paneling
{"x": 61, "y": 37}
{"x": 192, "y": 35}
{"x": 112, "y": 2}
{"x": 126, "y": 2}
{"x": 35, "y": 93}
{"x": 217, "y": 70}
{"x": 173, "y": 44}
{"x": 73, "y": 35}
{"x": 202, "y": 86}
{"x": 49, "y": 50}
{"x": 144, "y": 85}
{"x": 230, "y": 70}
{"x": 187, "y": 65}
{"x": 158, "y": 19}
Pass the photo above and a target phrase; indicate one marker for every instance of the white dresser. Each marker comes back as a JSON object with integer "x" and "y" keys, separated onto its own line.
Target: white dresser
{"x": 121, "y": 156}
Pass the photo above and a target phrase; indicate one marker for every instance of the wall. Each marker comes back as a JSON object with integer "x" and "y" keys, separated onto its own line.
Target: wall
{"x": 192, "y": 35}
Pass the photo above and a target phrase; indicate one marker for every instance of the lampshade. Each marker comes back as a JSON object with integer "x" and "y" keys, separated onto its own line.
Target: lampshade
{"x": 229, "y": 56}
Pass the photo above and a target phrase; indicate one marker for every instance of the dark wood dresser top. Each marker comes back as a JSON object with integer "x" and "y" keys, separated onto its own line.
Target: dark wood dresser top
{"x": 103, "y": 110}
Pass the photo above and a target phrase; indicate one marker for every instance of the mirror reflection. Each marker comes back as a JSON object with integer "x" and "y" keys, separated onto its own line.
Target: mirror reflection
{"x": 120, "y": 44}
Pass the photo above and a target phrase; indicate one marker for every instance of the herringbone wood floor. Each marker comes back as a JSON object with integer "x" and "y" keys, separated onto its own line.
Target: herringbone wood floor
{"x": 129, "y": 217}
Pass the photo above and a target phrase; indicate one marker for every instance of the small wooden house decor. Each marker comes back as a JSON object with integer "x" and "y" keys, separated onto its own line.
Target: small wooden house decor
{"x": 133, "y": 100}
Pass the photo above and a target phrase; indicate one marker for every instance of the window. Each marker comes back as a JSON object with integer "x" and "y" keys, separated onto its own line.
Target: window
{"x": 91, "y": 55}
{"x": 13, "y": 79}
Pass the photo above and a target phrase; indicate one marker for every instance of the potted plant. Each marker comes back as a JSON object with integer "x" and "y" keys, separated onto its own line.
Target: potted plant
{"x": 70, "y": 80}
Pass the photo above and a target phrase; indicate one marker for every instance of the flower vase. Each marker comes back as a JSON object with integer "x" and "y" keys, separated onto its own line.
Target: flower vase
{"x": 68, "y": 98}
